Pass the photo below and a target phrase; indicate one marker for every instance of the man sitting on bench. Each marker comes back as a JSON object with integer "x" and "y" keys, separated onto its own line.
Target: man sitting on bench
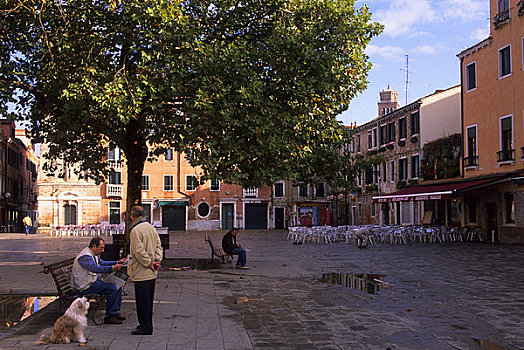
{"x": 230, "y": 246}
{"x": 85, "y": 278}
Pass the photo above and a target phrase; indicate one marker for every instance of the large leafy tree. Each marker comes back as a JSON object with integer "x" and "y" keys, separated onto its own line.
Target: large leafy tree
{"x": 247, "y": 89}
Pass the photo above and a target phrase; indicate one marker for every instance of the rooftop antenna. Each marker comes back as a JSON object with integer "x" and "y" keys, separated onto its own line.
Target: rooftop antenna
{"x": 407, "y": 77}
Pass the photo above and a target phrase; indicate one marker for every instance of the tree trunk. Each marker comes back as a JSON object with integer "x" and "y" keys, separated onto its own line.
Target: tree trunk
{"x": 346, "y": 208}
{"x": 135, "y": 150}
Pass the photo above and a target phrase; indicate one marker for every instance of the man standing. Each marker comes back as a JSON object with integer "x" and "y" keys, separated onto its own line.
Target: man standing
{"x": 146, "y": 251}
{"x": 27, "y": 223}
{"x": 85, "y": 277}
{"x": 230, "y": 246}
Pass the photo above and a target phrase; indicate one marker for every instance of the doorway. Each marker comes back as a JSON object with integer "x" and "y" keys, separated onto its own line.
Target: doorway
{"x": 492, "y": 232}
{"x": 227, "y": 216}
{"x": 279, "y": 218}
{"x": 69, "y": 214}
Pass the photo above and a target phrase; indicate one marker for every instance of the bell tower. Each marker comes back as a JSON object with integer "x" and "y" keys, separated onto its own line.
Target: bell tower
{"x": 388, "y": 102}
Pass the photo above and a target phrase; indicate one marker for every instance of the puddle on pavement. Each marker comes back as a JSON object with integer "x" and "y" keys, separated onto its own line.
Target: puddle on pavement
{"x": 370, "y": 283}
{"x": 488, "y": 344}
{"x": 15, "y": 308}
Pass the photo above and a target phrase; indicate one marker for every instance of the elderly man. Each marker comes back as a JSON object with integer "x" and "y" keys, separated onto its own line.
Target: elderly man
{"x": 230, "y": 246}
{"x": 85, "y": 278}
{"x": 146, "y": 252}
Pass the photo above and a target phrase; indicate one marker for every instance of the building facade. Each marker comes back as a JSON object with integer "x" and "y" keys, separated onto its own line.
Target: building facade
{"x": 399, "y": 136}
{"x": 492, "y": 82}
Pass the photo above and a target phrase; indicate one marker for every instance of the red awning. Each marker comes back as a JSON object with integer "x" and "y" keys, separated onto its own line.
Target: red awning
{"x": 435, "y": 191}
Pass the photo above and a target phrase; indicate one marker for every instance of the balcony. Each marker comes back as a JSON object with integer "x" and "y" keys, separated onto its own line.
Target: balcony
{"x": 471, "y": 161}
{"x": 506, "y": 155}
{"x": 250, "y": 192}
{"x": 115, "y": 164}
{"x": 501, "y": 18}
{"x": 114, "y": 190}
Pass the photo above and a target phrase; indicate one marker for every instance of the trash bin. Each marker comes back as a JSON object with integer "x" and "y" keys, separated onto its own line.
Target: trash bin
{"x": 111, "y": 252}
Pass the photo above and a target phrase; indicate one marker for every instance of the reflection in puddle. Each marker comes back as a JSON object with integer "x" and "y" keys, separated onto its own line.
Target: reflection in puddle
{"x": 370, "y": 283}
{"x": 488, "y": 344}
{"x": 15, "y": 308}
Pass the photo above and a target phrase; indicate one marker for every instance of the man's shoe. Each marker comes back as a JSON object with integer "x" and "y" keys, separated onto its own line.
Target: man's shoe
{"x": 120, "y": 317}
{"x": 138, "y": 327}
{"x": 243, "y": 267}
{"x": 140, "y": 332}
{"x": 112, "y": 320}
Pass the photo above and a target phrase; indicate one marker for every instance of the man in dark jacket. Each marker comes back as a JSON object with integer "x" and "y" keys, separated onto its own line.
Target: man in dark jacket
{"x": 230, "y": 246}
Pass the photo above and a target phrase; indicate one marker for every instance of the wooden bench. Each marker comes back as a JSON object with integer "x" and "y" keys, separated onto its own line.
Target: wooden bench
{"x": 61, "y": 272}
{"x": 218, "y": 252}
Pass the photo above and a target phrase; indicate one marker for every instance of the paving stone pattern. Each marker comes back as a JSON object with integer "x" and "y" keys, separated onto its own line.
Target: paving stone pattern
{"x": 438, "y": 296}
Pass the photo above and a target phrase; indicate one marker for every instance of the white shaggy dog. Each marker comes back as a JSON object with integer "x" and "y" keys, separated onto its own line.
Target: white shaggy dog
{"x": 70, "y": 326}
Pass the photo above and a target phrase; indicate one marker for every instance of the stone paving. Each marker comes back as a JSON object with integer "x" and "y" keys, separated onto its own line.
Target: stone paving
{"x": 439, "y": 296}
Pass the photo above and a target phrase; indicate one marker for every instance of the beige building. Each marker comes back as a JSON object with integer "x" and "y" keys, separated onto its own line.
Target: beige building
{"x": 399, "y": 136}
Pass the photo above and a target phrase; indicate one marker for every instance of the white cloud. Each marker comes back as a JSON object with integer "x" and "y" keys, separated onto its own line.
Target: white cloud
{"x": 425, "y": 50}
{"x": 401, "y": 16}
{"x": 480, "y": 34}
{"x": 464, "y": 10}
{"x": 391, "y": 53}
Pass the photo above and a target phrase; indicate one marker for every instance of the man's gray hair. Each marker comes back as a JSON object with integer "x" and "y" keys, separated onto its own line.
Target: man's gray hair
{"x": 137, "y": 211}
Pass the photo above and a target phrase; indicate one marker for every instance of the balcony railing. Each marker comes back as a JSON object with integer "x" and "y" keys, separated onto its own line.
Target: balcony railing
{"x": 506, "y": 155}
{"x": 471, "y": 161}
{"x": 114, "y": 190}
{"x": 115, "y": 164}
{"x": 250, "y": 192}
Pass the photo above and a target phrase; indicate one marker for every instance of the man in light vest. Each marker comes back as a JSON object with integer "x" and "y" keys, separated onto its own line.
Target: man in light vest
{"x": 85, "y": 278}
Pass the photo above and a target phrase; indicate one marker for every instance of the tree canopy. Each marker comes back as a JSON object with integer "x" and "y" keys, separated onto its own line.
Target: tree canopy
{"x": 247, "y": 89}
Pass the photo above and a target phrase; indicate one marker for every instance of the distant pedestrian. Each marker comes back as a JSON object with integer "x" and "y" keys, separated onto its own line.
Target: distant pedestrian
{"x": 362, "y": 237}
{"x": 230, "y": 246}
{"x": 27, "y": 223}
{"x": 146, "y": 254}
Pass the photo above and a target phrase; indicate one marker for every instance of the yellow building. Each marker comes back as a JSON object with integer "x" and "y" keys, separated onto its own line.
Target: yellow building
{"x": 492, "y": 89}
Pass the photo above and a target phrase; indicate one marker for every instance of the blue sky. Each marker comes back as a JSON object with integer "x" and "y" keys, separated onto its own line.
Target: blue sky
{"x": 431, "y": 33}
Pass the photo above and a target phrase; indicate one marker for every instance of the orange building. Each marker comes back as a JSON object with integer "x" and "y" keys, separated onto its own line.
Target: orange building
{"x": 492, "y": 89}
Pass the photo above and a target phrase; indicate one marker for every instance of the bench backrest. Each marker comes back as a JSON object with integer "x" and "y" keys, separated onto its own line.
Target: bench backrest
{"x": 216, "y": 251}
{"x": 61, "y": 272}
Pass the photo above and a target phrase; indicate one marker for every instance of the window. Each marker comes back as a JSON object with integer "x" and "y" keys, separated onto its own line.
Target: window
{"x": 391, "y": 133}
{"x": 191, "y": 183}
{"x": 405, "y": 208}
{"x": 375, "y": 138}
{"x": 376, "y": 173}
{"x": 506, "y": 139}
{"x": 471, "y": 147}
{"x": 369, "y": 176}
{"x": 503, "y": 6}
{"x": 169, "y": 154}
{"x": 203, "y": 209}
{"x": 114, "y": 154}
{"x": 414, "y": 167}
{"x": 392, "y": 171}
{"x": 215, "y": 185}
{"x": 115, "y": 178}
{"x": 319, "y": 190}
{"x": 370, "y": 140}
{"x": 472, "y": 210}
{"x": 471, "y": 76}
{"x": 373, "y": 209}
{"x": 168, "y": 183}
{"x": 302, "y": 190}
{"x": 145, "y": 182}
{"x": 357, "y": 141}
{"x": 383, "y": 135}
{"x": 509, "y": 204}
{"x": 402, "y": 130}
{"x": 359, "y": 209}
{"x": 114, "y": 213}
{"x": 505, "y": 61}
{"x": 415, "y": 123}
{"x": 279, "y": 190}
{"x": 384, "y": 172}
{"x": 403, "y": 169}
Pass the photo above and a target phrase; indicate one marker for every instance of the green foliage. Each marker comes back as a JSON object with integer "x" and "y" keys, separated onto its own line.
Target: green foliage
{"x": 441, "y": 158}
{"x": 251, "y": 90}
